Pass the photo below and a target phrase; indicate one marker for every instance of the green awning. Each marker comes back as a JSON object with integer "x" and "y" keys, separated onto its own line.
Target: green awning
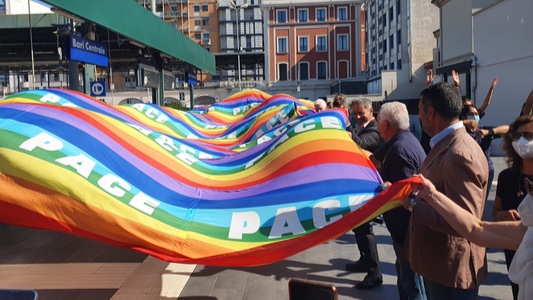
{"x": 131, "y": 20}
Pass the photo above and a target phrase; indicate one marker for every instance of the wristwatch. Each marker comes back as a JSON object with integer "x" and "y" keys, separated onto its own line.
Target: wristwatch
{"x": 412, "y": 203}
{"x": 492, "y": 132}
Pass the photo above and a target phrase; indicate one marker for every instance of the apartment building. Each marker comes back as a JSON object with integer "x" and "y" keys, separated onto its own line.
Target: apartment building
{"x": 312, "y": 44}
{"x": 196, "y": 19}
{"x": 242, "y": 53}
{"x": 399, "y": 46}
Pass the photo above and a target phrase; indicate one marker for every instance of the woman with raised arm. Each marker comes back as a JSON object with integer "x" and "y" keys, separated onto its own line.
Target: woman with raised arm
{"x": 510, "y": 192}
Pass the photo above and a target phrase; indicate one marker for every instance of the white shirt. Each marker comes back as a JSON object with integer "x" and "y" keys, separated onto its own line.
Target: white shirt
{"x": 359, "y": 128}
{"x": 445, "y": 132}
{"x": 521, "y": 269}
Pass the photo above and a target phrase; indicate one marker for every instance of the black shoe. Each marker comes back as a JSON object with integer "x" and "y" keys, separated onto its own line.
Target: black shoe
{"x": 369, "y": 282}
{"x": 357, "y": 267}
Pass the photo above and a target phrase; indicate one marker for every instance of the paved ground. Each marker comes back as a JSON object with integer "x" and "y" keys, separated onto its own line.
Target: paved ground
{"x": 64, "y": 267}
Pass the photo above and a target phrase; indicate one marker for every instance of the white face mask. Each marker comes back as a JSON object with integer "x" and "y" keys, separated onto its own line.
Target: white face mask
{"x": 523, "y": 148}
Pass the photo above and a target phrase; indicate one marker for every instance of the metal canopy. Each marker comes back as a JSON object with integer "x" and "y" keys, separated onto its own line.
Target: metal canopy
{"x": 131, "y": 20}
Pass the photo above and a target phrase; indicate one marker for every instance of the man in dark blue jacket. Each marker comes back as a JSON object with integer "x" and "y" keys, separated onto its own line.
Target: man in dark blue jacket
{"x": 400, "y": 158}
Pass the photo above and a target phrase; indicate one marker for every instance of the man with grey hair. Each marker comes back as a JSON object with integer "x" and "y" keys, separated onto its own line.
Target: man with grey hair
{"x": 320, "y": 105}
{"x": 366, "y": 135}
{"x": 400, "y": 158}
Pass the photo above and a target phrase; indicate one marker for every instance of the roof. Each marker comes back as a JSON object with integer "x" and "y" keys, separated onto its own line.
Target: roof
{"x": 131, "y": 20}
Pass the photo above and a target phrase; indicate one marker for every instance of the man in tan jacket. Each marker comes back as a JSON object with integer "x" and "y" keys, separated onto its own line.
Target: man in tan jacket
{"x": 452, "y": 267}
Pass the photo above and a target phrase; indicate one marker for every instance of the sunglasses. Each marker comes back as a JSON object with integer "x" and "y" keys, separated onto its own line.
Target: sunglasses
{"x": 515, "y": 136}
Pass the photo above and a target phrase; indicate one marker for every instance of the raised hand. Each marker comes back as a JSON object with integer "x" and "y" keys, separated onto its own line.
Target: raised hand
{"x": 470, "y": 125}
{"x": 494, "y": 82}
{"x": 455, "y": 78}
{"x": 429, "y": 77}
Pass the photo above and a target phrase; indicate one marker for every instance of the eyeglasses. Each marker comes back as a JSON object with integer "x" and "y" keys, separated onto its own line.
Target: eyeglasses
{"x": 515, "y": 136}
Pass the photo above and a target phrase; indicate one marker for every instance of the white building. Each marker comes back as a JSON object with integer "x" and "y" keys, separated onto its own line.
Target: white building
{"x": 486, "y": 39}
{"x": 19, "y": 7}
{"x": 399, "y": 41}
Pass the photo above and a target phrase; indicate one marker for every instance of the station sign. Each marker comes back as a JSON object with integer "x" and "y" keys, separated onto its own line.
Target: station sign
{"x": 191, "y": 78}
{"x": 87, "y": 51}
{"x": 98, "y": 89}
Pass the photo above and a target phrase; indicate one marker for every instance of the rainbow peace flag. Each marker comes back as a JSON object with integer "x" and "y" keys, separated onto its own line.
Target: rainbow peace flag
{"x": 247, "y": 181}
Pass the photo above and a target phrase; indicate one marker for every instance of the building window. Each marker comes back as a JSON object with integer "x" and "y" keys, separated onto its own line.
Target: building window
{"x": 302, "y": 15}
{"x": 205, "y": 22}
{"x": 197, "y": 22}
{"x": 384, "y": 20}
{"x": 398, "y": 7}
{"x": 399, "y": 64}
{"x": 206, "y": 35}
{"x": 303, "y": 44}
{"x": 342, "y": 13}
{"x": 281, "y": 16}
{"x": 321, "y": 45}
{"x": 391, "y": 41}
{"x": 399, "y": 39}
{"x": 204, "y": 7}
{"x": 320, "y": 14}
{"x": 342, "y": 42}
{"x": 321, "y": 70}
{"x": 197, "y": 36}
{"x": 391, "y": 15}
{"x": 196, "y": 8}
{"x": 303, "y": 71}
{"x": 283, "y": 72}
{"x": 391, "y": 67}
{"x": 282, "y": 45}
{"x": 385, "y": 46}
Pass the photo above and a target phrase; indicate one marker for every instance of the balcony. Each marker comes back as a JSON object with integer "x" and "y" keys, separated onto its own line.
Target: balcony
{"x": 176, "y": 14}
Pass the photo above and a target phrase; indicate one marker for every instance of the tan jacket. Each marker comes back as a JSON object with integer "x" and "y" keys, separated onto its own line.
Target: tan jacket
{"x": 459, "y": 169}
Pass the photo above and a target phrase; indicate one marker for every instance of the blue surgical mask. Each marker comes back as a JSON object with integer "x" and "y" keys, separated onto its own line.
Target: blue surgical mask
{"x": 475, "y": 118}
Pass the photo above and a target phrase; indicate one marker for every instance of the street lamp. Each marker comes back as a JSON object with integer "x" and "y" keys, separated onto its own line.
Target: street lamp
{"x": 237, "y": 9}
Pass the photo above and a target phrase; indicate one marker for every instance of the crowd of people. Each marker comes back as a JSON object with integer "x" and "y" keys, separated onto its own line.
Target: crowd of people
{"x": 438, "y": 236}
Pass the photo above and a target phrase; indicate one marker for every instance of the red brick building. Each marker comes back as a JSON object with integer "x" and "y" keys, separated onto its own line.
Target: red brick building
{"x": 313, "y": 40}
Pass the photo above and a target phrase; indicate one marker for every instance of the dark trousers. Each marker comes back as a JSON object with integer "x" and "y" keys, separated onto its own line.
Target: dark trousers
{"x": 509, "y": 254}
{"x": 366, "y": 242}
{"x": 489, "y": 185}
{"x": 435, "y": 291}
{"x": 410, "y": 284}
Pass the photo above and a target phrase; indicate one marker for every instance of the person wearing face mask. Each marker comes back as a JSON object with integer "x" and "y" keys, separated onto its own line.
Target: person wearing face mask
{"x": 483, "y": 136}
{"x": 511, "y": 190}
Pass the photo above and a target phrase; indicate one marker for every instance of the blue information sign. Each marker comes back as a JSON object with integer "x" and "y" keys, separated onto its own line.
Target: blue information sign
{"x": 88, "y": 51}
{"x": 191, "y": 78}
{"x": 98, "y": 89}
